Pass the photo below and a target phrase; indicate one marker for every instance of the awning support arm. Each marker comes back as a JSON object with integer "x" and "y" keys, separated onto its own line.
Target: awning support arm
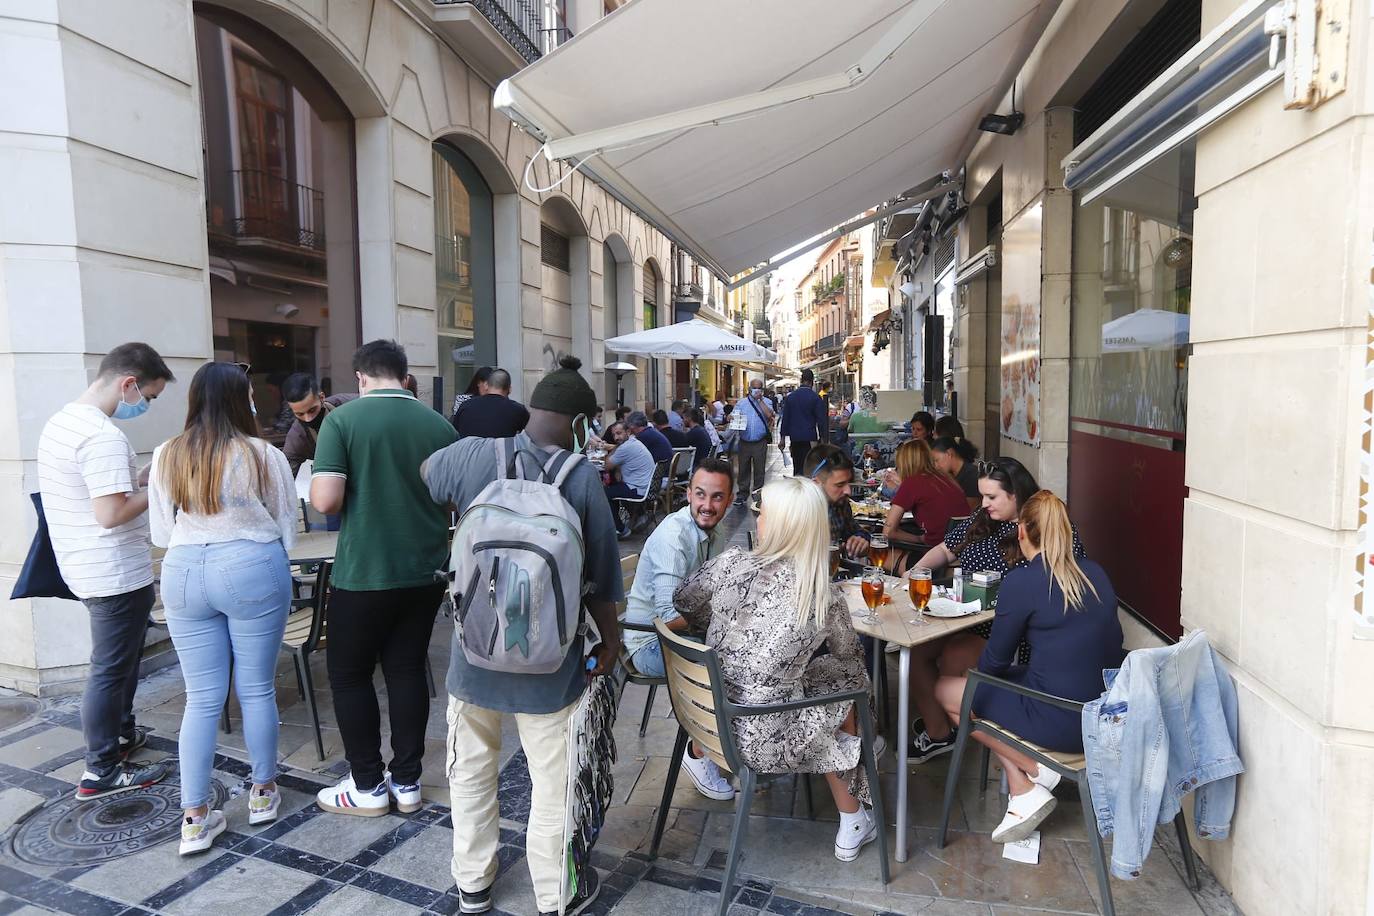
{"x": 579, "y": 146}
{"x": 904, "y": 203}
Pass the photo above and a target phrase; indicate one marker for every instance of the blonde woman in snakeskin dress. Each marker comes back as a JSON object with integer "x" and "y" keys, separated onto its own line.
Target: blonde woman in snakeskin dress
{"x": 766, "y": 613}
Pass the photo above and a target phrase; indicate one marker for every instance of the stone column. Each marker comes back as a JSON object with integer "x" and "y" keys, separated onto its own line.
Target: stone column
{"x": 102, "y": 241}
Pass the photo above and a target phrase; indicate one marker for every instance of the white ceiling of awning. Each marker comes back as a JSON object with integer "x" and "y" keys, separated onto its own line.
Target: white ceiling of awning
{"x": 738, "y": 192}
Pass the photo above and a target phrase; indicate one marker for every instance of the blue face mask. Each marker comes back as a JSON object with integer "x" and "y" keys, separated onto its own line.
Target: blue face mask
{"x": 576, "y": 446}
{"x": 126, "y": 411}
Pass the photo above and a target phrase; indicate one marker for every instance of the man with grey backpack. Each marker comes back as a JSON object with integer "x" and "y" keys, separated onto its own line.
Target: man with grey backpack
{"x": 534, "y": 556}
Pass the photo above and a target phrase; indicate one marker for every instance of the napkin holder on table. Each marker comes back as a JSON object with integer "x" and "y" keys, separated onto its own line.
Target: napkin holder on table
{"x": 985, "y": 593}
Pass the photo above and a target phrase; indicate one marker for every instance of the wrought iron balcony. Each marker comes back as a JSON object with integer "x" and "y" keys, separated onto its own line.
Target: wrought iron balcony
{"x": 269, "y": 208}
{"x": 831, "y": 343}
{"x": 531, "y": 28}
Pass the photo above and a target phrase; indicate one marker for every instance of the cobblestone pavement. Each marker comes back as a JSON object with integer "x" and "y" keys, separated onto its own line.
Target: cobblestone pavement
{"x": 118, "y": 855}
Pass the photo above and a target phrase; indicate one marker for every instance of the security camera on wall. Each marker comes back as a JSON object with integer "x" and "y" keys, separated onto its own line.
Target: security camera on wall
{"x": 288, "y": 310}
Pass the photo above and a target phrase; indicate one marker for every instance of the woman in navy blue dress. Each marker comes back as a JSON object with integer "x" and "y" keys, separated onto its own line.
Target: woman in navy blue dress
{"x": 1065, "y": 608}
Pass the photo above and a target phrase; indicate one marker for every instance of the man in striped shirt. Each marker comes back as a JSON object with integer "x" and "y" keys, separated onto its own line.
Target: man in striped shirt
{"x": 96, "y": 505}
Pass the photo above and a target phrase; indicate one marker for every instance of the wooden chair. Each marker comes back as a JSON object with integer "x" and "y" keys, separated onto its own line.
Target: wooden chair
{"x": 305, "y": 626}
{"x": 628, "y": 566}
{"x": 706, "y": 715}
{"x": 1070, "y": 766}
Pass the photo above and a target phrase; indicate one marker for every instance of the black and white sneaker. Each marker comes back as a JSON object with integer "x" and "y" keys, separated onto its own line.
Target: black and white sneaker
{"x": 128, "y": 745}
{"x": 585, "y": 896}
{"x": 475, "y": 902}
{"x": 924, "y": 747}
{"x": 125, "y": 777}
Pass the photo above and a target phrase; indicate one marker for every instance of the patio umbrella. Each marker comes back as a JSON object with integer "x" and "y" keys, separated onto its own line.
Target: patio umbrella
{"x": 694, "y": 340}
{"x": 1145, "y": 329}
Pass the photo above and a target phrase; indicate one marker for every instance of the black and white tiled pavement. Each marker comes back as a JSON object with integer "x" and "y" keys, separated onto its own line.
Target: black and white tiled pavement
{"x": 309, "y": 861}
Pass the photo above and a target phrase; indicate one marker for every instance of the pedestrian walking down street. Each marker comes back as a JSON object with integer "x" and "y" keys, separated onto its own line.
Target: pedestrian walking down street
{"x": 94, "y": 499}
{"x": 542, "y": 703}
{"x": 223, "y": 503}
{"x": 758, "y": 412}
{"x": 392, "y": 538}
{"x": 805, "y": 421}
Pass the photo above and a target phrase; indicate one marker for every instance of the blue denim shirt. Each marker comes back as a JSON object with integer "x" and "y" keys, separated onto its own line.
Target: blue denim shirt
{"x": 754, "y": 428}
{"x": 1166, "y": 726}
{"x": 672, "y": 553}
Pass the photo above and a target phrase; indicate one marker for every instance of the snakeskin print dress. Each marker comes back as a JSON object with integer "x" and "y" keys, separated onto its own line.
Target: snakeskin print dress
{"x": 747, "y": 610}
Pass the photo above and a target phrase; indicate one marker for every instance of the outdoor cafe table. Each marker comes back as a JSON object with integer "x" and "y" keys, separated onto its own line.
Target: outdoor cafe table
{"x": 314, "y": 545}
{"x": 893, "y": 626}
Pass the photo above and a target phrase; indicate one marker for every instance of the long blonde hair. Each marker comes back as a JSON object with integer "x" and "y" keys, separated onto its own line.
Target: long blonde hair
{"x": 219, "y": 425}
{"x": 798, "y": 530}
{"x": 915, "y": 459}
{"x": 1045, "y": 520}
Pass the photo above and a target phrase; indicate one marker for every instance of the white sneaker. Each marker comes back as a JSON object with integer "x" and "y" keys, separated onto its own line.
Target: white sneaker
{"x": 263, "y": 805}
{"x": 1046, "y": 777}
{"x": 879, "y": 746}
{"x": 856, "y": 831}
{"x": 407, "y": 797}
{"x": 197, "y": 833}
{"x": 347, "y": 798}
{"x": 1024, "y": 814}
{"x": 708, "y": 777}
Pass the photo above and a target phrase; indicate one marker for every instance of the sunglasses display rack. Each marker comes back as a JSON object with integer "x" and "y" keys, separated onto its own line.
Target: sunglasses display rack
{"x": 591, "y": 754}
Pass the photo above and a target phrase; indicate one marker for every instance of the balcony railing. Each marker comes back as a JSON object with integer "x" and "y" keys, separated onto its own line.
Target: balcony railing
{"x": 830, "y": 343}
{"x": 267, "y": 206}
{"x": 453, "y": 259}
{"x": 522, "y": 23}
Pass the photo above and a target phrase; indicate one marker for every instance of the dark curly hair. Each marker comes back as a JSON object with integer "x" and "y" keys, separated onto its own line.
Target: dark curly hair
{"x": 1012, "y": 476}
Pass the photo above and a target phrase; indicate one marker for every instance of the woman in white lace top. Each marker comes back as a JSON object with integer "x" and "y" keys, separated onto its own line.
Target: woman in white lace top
{"x": 223, "y": 502}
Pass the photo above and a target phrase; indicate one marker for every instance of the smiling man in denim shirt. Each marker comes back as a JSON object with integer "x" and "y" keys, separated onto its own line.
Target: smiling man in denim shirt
{"x": 680, "y": 544}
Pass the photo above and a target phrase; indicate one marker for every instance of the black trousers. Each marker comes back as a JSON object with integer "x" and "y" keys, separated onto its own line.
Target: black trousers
{"x": 393, "y": 627}
{"x": 118, "y": 624}
{"x": 799, "y": 452}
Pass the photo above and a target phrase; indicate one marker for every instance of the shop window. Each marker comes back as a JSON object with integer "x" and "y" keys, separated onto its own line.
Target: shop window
{"x": 464, "y": 269}
{"x": 1132, "y": 294}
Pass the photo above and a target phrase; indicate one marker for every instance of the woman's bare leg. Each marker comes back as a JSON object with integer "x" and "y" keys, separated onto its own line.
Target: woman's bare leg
{"x": 925, "y": 671}
{"x": 1017, "y": 766}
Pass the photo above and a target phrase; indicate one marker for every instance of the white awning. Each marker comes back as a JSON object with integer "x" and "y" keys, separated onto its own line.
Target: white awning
{"x": 743, "y": 129}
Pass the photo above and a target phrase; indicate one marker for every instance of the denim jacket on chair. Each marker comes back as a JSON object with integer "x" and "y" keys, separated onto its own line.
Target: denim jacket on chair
{"x": 1165, "y": 727}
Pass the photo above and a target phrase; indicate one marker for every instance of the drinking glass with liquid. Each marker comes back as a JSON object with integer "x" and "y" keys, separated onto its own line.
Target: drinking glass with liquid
{"x": 920, "y": 587}
{"x": 872, "y": 589}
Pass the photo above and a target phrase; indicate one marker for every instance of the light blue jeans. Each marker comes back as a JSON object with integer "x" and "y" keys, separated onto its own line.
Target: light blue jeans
{"x": 226, "y": 601}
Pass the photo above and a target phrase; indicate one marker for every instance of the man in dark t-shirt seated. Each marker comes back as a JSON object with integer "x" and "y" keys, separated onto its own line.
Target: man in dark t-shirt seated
{"x": 676, "y": 438}
{"x": 653, "y": 440}
{"x": 493, "y": 415}
{"x": 697, "y": 437}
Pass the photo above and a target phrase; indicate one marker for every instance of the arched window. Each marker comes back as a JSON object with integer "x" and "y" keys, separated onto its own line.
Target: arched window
{"x": 464, "y": 269}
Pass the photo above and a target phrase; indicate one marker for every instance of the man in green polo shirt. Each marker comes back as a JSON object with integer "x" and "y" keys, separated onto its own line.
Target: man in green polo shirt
{"x": 391, "y": 540}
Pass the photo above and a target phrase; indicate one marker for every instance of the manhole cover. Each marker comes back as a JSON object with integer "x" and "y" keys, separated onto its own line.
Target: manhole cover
{"x": 71, "y": 832}
{"x": 14, "y": 710}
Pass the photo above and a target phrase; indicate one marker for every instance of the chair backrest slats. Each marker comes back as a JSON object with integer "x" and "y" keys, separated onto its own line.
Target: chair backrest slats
{"x": 628, "y": 566}
{"x": 695, "y": 689}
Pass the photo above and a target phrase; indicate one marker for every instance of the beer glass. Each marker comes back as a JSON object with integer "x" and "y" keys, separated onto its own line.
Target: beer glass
{"x": 872, "y": 589}
{"x": 919, "y": 586}
{"x": 877, "y": 550}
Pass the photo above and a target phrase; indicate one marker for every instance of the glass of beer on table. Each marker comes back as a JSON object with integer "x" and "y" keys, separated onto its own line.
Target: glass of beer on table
{"x": 872, "y": 589}
{"x": 877, "y": 550}
{"x": 919, "y": 586}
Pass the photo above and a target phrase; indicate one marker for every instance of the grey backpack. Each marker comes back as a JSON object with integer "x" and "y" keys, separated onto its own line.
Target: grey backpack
{"x": 517, "y": 566}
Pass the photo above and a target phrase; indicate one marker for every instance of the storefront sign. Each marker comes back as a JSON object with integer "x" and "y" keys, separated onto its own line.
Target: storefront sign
{"x": 1020, "y": 403}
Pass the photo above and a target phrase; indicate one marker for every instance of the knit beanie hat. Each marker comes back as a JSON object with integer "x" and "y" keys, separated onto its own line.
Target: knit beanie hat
{"x": 564, "y": 390}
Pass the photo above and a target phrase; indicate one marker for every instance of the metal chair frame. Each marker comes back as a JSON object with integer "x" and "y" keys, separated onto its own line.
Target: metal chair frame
{"x": 300, "y": 653}
{"x": 650, "y": 501}
{"x": 676, "y": 483}
{"x": 689, "y": 698}
{"x": 969, "y": 725}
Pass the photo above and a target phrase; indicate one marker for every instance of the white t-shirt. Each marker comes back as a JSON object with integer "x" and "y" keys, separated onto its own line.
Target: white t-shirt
{"x": 83, "y": 455}
{"x": 246, "y": 514}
